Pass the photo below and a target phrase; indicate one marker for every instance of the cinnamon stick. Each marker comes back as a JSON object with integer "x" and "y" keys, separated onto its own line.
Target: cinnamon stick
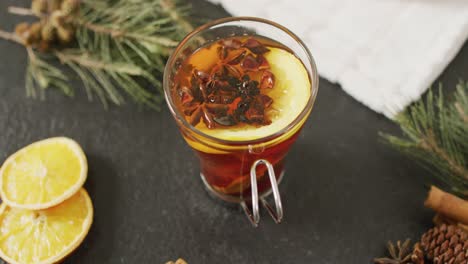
{"x": 440, "y": 219}
{"x": 447, "y": 204}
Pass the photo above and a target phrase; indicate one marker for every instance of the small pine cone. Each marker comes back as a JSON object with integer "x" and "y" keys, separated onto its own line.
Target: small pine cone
{"x": 57, "y": 19}
{"x": 35, "y": 31}
{"x": 54, "y": 5}
{"x": 21, "y": 28}
{"x": 44, "y": 46}
{"x": 26, "y": 38}
{"x": 23, "y": 31}
{"x": 446, "y": 244}
{"x": 65, "y": 34}
{"x": 39, "y": 7}
{"x": 69, "y": 7}
{"x": 48, "y": 32}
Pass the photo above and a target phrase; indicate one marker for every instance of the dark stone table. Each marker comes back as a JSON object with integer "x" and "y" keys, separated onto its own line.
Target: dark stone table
{"x": 345, "y": 193}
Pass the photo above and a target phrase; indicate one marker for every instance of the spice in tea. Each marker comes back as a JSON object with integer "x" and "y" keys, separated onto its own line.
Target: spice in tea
{"x": 229, "y": 91}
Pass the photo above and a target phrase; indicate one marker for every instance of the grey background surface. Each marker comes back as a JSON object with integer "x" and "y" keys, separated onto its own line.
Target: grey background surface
{"x": 345, "y": 194}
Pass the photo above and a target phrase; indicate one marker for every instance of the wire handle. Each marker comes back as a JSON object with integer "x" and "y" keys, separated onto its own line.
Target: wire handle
{"x": 255, "y": 216}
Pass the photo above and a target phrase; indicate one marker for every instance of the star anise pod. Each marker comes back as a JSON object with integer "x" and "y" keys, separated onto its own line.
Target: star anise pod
{"x": 229, "y": 92}
{"x": 255, "y": 46}
{"x": 201, "y": 112}
{"x": 399, "y": 253}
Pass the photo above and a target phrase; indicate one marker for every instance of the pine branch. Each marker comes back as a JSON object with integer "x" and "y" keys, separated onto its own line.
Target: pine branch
{"x": 44, "y": 75}
{"x": 436, "y": 134}
{"x": 429, "y": 144}
{"x": 120, "y": 45}
{"x": 170, "y": 7}
{"x": 21, "y": 11}
{"x": 462, "y": 114}
{"x": 116, "y": 33}
{"x": 87, "y": 61}
{"x": 102, "y": 77}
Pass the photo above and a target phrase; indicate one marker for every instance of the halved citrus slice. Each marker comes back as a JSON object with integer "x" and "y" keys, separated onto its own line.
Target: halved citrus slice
{"x": 44, "y": 236}
{"x": 43, "y": 174}
{"x": 290, "y": 94}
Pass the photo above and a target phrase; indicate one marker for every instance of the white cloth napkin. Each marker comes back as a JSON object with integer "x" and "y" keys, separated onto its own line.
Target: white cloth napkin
{"x": 385, "y": 53}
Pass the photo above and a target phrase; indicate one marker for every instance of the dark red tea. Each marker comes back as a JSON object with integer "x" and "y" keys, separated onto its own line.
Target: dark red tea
{"x": 246, "y": 94}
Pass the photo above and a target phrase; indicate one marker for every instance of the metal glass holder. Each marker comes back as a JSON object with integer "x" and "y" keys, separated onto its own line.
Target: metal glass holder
{"x": 253, "y": 201}
{"x": 254, "y": 215}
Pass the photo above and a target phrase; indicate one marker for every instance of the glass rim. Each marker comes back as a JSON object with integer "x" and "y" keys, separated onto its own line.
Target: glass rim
{"x": 313, "y": 75}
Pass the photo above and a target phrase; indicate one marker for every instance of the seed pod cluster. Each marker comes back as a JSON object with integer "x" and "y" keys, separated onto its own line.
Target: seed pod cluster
{"x": 54, "y": 27}
{"x": 232, "y": 91}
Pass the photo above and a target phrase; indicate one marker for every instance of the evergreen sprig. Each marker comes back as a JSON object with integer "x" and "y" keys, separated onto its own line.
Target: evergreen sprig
{"x": 436, "y": 135}
{"x": 120, "y": 48}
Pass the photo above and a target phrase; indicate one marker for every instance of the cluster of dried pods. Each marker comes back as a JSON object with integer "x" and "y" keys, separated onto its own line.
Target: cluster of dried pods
{"x": 231, "y": 92}
{"x": 53, "y": 27}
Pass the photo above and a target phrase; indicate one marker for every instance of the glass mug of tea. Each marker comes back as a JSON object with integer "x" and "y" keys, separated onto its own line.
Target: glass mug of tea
{"x": 240, "y": 90}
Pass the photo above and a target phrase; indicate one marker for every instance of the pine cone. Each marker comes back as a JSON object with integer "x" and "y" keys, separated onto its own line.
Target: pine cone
{"x": 48, "y": 32}
{"x": 54, "y": 5}
{"x": 21, "y": 28}
{"x": 440, "y": 219}
{"x": 39, "y": 6}
{"x": 57, "y": 18}
{"x": 35, "y": 31}
{"x": 65, "y": 34}
{"x": 23, "y": 31}
{"x": 68, "y": 7}
{"x": 446, "y": 244}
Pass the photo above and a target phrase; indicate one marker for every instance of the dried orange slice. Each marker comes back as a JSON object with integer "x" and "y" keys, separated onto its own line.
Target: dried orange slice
{"x": 44, "y": 236}
{"x": 43, "y": 174}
